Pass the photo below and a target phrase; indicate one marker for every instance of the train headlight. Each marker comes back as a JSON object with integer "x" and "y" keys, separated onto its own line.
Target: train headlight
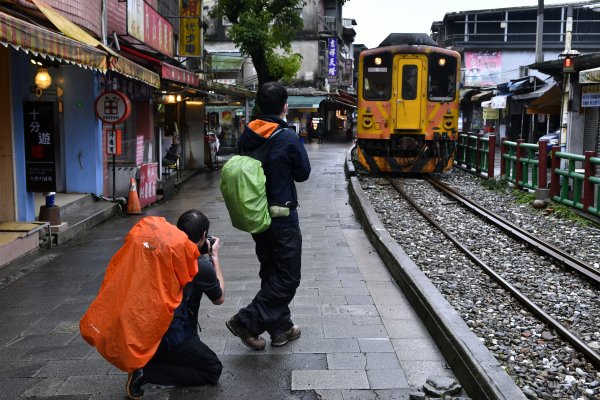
{"x": 448, "y": 123}
{"x": 367, "y": 122}
{"x": 442, "y": 62}
{"x": 378, "y": 60}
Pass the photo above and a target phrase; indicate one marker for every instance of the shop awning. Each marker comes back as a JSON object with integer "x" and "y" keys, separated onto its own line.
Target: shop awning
{"x": 40, "y": 41}
{"x": 176, "y": 74}
{"x": 483, "y": 95}
{"x": 296, "y": 102}
{"x": 226, "y": 62}
{"x": 590, "y": 75}
{"x": 130, "y": 69}
{"x": 117, "y": 62}
{"x": 547, "y": 103}
{"x": 533, "y": 95}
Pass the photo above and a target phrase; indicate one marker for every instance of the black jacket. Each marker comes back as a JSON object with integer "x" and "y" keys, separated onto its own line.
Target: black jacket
{"x": 285, "y": 163}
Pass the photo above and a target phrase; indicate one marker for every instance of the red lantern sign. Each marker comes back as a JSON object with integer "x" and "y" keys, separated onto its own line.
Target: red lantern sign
{"x": 113, "y": 107}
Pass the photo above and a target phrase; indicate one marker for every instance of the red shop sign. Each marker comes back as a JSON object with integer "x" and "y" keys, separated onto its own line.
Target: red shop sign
{"x": 113, "y": 107}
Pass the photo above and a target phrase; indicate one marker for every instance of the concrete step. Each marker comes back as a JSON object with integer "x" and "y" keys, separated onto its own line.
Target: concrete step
{"x": 83, "y": 216}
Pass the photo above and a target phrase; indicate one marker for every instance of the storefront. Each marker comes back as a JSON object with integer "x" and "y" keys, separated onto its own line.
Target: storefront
{"x": 64, "y": 155}
{"x": 137, "y": 157}
{"x": 304, "y": 111}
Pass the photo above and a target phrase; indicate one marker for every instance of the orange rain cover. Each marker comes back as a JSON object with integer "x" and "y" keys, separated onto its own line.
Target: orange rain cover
{"x": 142, "y": 286}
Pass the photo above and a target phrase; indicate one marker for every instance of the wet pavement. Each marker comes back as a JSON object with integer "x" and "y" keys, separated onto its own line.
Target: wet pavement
{"x": 360, "y": 337}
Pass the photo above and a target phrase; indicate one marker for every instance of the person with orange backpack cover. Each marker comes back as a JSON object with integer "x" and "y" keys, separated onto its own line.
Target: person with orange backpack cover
{"x": 144, "y": 319}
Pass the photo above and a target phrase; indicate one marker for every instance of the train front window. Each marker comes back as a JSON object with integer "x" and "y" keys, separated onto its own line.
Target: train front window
{"x": 377, "y": 80}
{"x": 442, "y": 78}
{"x": 409, "y": 82}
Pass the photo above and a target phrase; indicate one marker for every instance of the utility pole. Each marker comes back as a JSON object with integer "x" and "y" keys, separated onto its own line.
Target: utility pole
{"x": 568, "y": 68}
{"x": 539, "y": 56}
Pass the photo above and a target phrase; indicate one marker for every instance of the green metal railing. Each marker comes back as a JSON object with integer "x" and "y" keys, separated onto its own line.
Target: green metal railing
{"x": 476, "y": 152}
{"x": 508, "y": 155}
{"x": 524, "y": 164}
{"x": 576, "y": 187}
{"x": 529, "y": 165}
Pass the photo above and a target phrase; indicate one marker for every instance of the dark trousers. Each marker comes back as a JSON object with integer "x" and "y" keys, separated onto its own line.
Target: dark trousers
{"x": 279, "y": 252}
{"x": 189, "y": 364}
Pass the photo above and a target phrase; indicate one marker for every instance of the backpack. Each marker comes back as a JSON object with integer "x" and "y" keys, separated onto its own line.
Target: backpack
{"x": 243, "y": 186}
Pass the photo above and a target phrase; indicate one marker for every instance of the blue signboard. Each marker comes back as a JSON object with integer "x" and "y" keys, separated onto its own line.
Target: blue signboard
{"x": 590, "y": 96}
{"x": 331, "y": 57}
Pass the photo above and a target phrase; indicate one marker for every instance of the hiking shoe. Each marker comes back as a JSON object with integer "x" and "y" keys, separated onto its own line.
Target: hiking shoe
{"x": 292, "y": 334}
{"x": 135, "y": 380}
{"x": 253, "y": 342}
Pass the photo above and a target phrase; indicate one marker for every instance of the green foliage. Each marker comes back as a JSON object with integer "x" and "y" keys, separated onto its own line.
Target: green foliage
{"x": 259, "y": 28}
{"x": 523, "y": 197}
{"x": 284, "y": 66}
{"x": 566, "y": 212}
{"x": 500, "y": 184}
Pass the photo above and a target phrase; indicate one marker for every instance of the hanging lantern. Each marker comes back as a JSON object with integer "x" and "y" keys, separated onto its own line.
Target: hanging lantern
{"x": 43, "y": 80}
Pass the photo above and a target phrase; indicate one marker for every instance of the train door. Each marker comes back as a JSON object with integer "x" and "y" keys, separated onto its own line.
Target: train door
{"x": 408, "y": 100}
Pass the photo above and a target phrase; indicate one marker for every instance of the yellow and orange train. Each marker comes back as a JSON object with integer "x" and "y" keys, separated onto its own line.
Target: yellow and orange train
{"x": 408, "y": 100}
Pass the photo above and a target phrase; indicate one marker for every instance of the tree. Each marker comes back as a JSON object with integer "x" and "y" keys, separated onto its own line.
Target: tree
{"x": 261, "y": 27}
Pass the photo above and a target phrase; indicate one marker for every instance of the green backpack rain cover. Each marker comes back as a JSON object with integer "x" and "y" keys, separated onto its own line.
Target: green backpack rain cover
{"x": 243, "y": 188}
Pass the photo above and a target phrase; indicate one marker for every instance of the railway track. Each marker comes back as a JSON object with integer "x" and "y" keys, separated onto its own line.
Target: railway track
{"x": 516, "y": 232}
{"x": 537, "y": 267}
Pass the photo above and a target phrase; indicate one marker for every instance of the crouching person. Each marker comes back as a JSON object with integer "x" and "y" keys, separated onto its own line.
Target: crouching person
{"x": 150, "y": 347}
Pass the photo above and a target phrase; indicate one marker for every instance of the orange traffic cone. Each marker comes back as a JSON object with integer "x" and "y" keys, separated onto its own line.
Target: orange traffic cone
{"x": 133, "y": 202}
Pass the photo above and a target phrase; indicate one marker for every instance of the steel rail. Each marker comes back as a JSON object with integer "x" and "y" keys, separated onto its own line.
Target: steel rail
{"x": 592, "y": 355}
{"x": 561, "y": 256}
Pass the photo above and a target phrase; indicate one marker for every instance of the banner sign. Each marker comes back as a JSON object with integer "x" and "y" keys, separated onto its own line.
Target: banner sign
{"x": 41, "y": 135}
{"x": 483, "y": 68}
{"x": 148, "y": 182}
{"x": 331, "y": 57}
{"x": 173, "y": 73}
{"x": 139, "y": 149}
{"x": 189, "y": 28}
{"x": 590, "y": 96}
{"x": 149, "y": 27}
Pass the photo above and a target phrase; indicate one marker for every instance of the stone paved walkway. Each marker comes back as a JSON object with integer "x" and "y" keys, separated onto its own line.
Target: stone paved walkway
{"x": 360, "y": 337}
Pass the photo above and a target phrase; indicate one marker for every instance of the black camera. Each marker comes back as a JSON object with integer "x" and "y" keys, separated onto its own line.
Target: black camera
{"x": 212, "y": 240}
{"x": 204, "y": 248}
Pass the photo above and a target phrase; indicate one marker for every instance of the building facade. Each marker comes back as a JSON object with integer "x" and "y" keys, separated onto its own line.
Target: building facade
{"x": 500, "y": 48}
{"x": 326, "y": 45}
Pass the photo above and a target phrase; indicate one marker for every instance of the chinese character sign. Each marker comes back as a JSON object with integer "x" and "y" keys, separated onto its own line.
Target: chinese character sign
{"x": 148, "y": 26}
{"x": 189, "y": 28}
{"x": 41, "y": 133}
{"x": 113, "y": 141}
{"x": 332, "y": 57}
{"x": 590, "y": 96}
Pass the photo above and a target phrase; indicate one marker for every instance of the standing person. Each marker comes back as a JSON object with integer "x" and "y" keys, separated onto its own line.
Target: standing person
{"x": 320, "y": 132}
{"x": 182, "y": 359}
{"x": 278, "y": 248}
